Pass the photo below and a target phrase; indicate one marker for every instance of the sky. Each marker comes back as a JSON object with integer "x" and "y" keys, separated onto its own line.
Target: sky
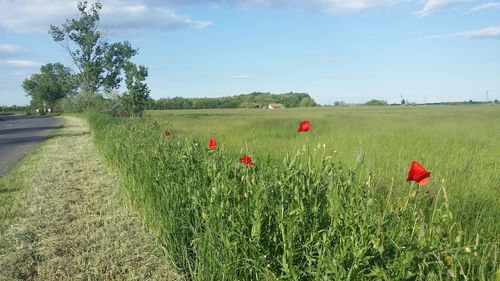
{"x": 334, "y": 50}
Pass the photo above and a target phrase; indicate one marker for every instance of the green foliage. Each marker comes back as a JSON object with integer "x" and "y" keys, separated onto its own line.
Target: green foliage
{"x": 82, "y": 102}
{"x": 252, "y": 100}
{"x": 308, "y": 217}
{"x": 136, "y": 98}
{"x": 53, "y": 83}
{"x": 307, "y": 102}
{"x": 376, "y": 102}
{"x": 100, "y": 66}
{"x": 13, "y": 108}
{"x": 99, "y": 62}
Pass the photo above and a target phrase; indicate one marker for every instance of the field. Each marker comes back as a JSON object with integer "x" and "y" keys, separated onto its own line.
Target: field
{"x": 331, "y": 203}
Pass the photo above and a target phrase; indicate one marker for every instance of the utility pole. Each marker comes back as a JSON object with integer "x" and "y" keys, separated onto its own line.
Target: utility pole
{"x": 487, "y": 99}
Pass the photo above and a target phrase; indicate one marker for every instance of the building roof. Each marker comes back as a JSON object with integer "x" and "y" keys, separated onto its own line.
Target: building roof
{"x": 276, "y": 105}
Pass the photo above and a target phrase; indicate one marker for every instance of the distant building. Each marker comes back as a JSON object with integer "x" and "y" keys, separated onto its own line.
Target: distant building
{"x": 276, "y": 106}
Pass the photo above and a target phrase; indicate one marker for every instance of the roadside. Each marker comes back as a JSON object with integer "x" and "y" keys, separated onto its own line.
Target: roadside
{"x": 19, "y": 134}
{"x": 61, "y": 217}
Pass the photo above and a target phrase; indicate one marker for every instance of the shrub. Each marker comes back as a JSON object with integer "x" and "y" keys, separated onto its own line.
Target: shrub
{"x": 82, "y": 102}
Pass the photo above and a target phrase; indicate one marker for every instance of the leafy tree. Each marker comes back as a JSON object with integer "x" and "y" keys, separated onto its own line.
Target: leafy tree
{"x": 376, "y": 102}
{"x": 99, "y": 62}
{"x": 82, "y": 102}
{"x": 307, "y": 102}
{"x": 53, "y": 83}
{"x": 136, "y": 99}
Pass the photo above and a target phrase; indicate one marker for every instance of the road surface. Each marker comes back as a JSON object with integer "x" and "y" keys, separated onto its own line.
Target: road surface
{"x": 20, "y": 134}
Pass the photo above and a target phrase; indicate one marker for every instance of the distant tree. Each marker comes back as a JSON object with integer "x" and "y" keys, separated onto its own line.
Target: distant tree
{"x": 290, "y": 99}
{"x": 137, "y": 96}
{"x": 376, "y": 102}
{"x": 13, "y": 108}
{"x": 307, "y": 102}
{"x": 99, "y": 62}
{"x": 53, "y": 83}
{"x": 496, "y": 100}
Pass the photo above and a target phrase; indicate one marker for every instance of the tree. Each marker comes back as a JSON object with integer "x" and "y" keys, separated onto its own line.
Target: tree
{"x": 376, "y": 102}
{"x": 137, "y": 96}
{"x": 53, "y": 83}
{"x": 307, "y": 102}
{"x": 99, "y": 63}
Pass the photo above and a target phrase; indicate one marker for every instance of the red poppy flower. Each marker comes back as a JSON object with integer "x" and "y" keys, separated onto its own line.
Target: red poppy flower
{"x": 212, "y": 144}
{"x": 418, "y": 174}
{"x": 246, "y": 160}
{"x": 304, "y": 126}
{"x": 167, "y": 133}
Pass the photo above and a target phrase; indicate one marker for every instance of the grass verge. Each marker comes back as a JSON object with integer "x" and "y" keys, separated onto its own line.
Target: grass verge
{"x": 61, "y": 217}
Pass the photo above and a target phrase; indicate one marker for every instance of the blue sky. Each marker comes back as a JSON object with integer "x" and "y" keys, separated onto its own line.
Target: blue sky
{"x": 335, "y": 50}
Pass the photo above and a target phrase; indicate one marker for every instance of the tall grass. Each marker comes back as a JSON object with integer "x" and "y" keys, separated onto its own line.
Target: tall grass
{"x": 312, "y": 215}
{"x": 458, "y": 144}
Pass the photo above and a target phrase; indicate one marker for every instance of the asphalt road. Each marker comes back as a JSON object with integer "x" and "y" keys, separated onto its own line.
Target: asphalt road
{"x": 20, "y": 134}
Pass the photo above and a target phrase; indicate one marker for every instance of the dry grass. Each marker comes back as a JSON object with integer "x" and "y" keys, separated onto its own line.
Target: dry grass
{"x": 63, "y": 218}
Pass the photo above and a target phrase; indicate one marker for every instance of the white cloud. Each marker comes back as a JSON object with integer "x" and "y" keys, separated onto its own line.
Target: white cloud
{"x": 432, "y": 6}
{"x": 341, "y": 6}
{"x": 23, "y": 63}
{"x": 328, "y": 6}
{"x": 34, "y": 15}
{"x": 8, "y": 50}
{"x": 140, "y": 16}
{"x": 37, "y": 15}
{"x": 491, "y": 32}
{"x": 489, "y": 5}
{"x": 26, "y": 16}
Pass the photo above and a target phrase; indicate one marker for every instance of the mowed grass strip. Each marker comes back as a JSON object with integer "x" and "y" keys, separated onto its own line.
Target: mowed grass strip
{"x": 62, "y": 218}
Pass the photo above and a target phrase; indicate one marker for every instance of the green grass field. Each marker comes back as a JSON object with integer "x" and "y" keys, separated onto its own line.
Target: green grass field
{"x": 460, "y": 145}
{"x": 330, "y": 203}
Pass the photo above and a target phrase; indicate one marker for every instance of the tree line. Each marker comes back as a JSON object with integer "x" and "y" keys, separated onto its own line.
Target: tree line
{"x": 252, "y": 100}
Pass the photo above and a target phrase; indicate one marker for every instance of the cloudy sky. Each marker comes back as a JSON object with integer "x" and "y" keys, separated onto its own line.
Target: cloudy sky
{"x": 335, "y": 50}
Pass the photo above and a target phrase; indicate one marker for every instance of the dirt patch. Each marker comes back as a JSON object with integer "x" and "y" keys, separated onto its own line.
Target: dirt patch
{"x": 71, "y": 222}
